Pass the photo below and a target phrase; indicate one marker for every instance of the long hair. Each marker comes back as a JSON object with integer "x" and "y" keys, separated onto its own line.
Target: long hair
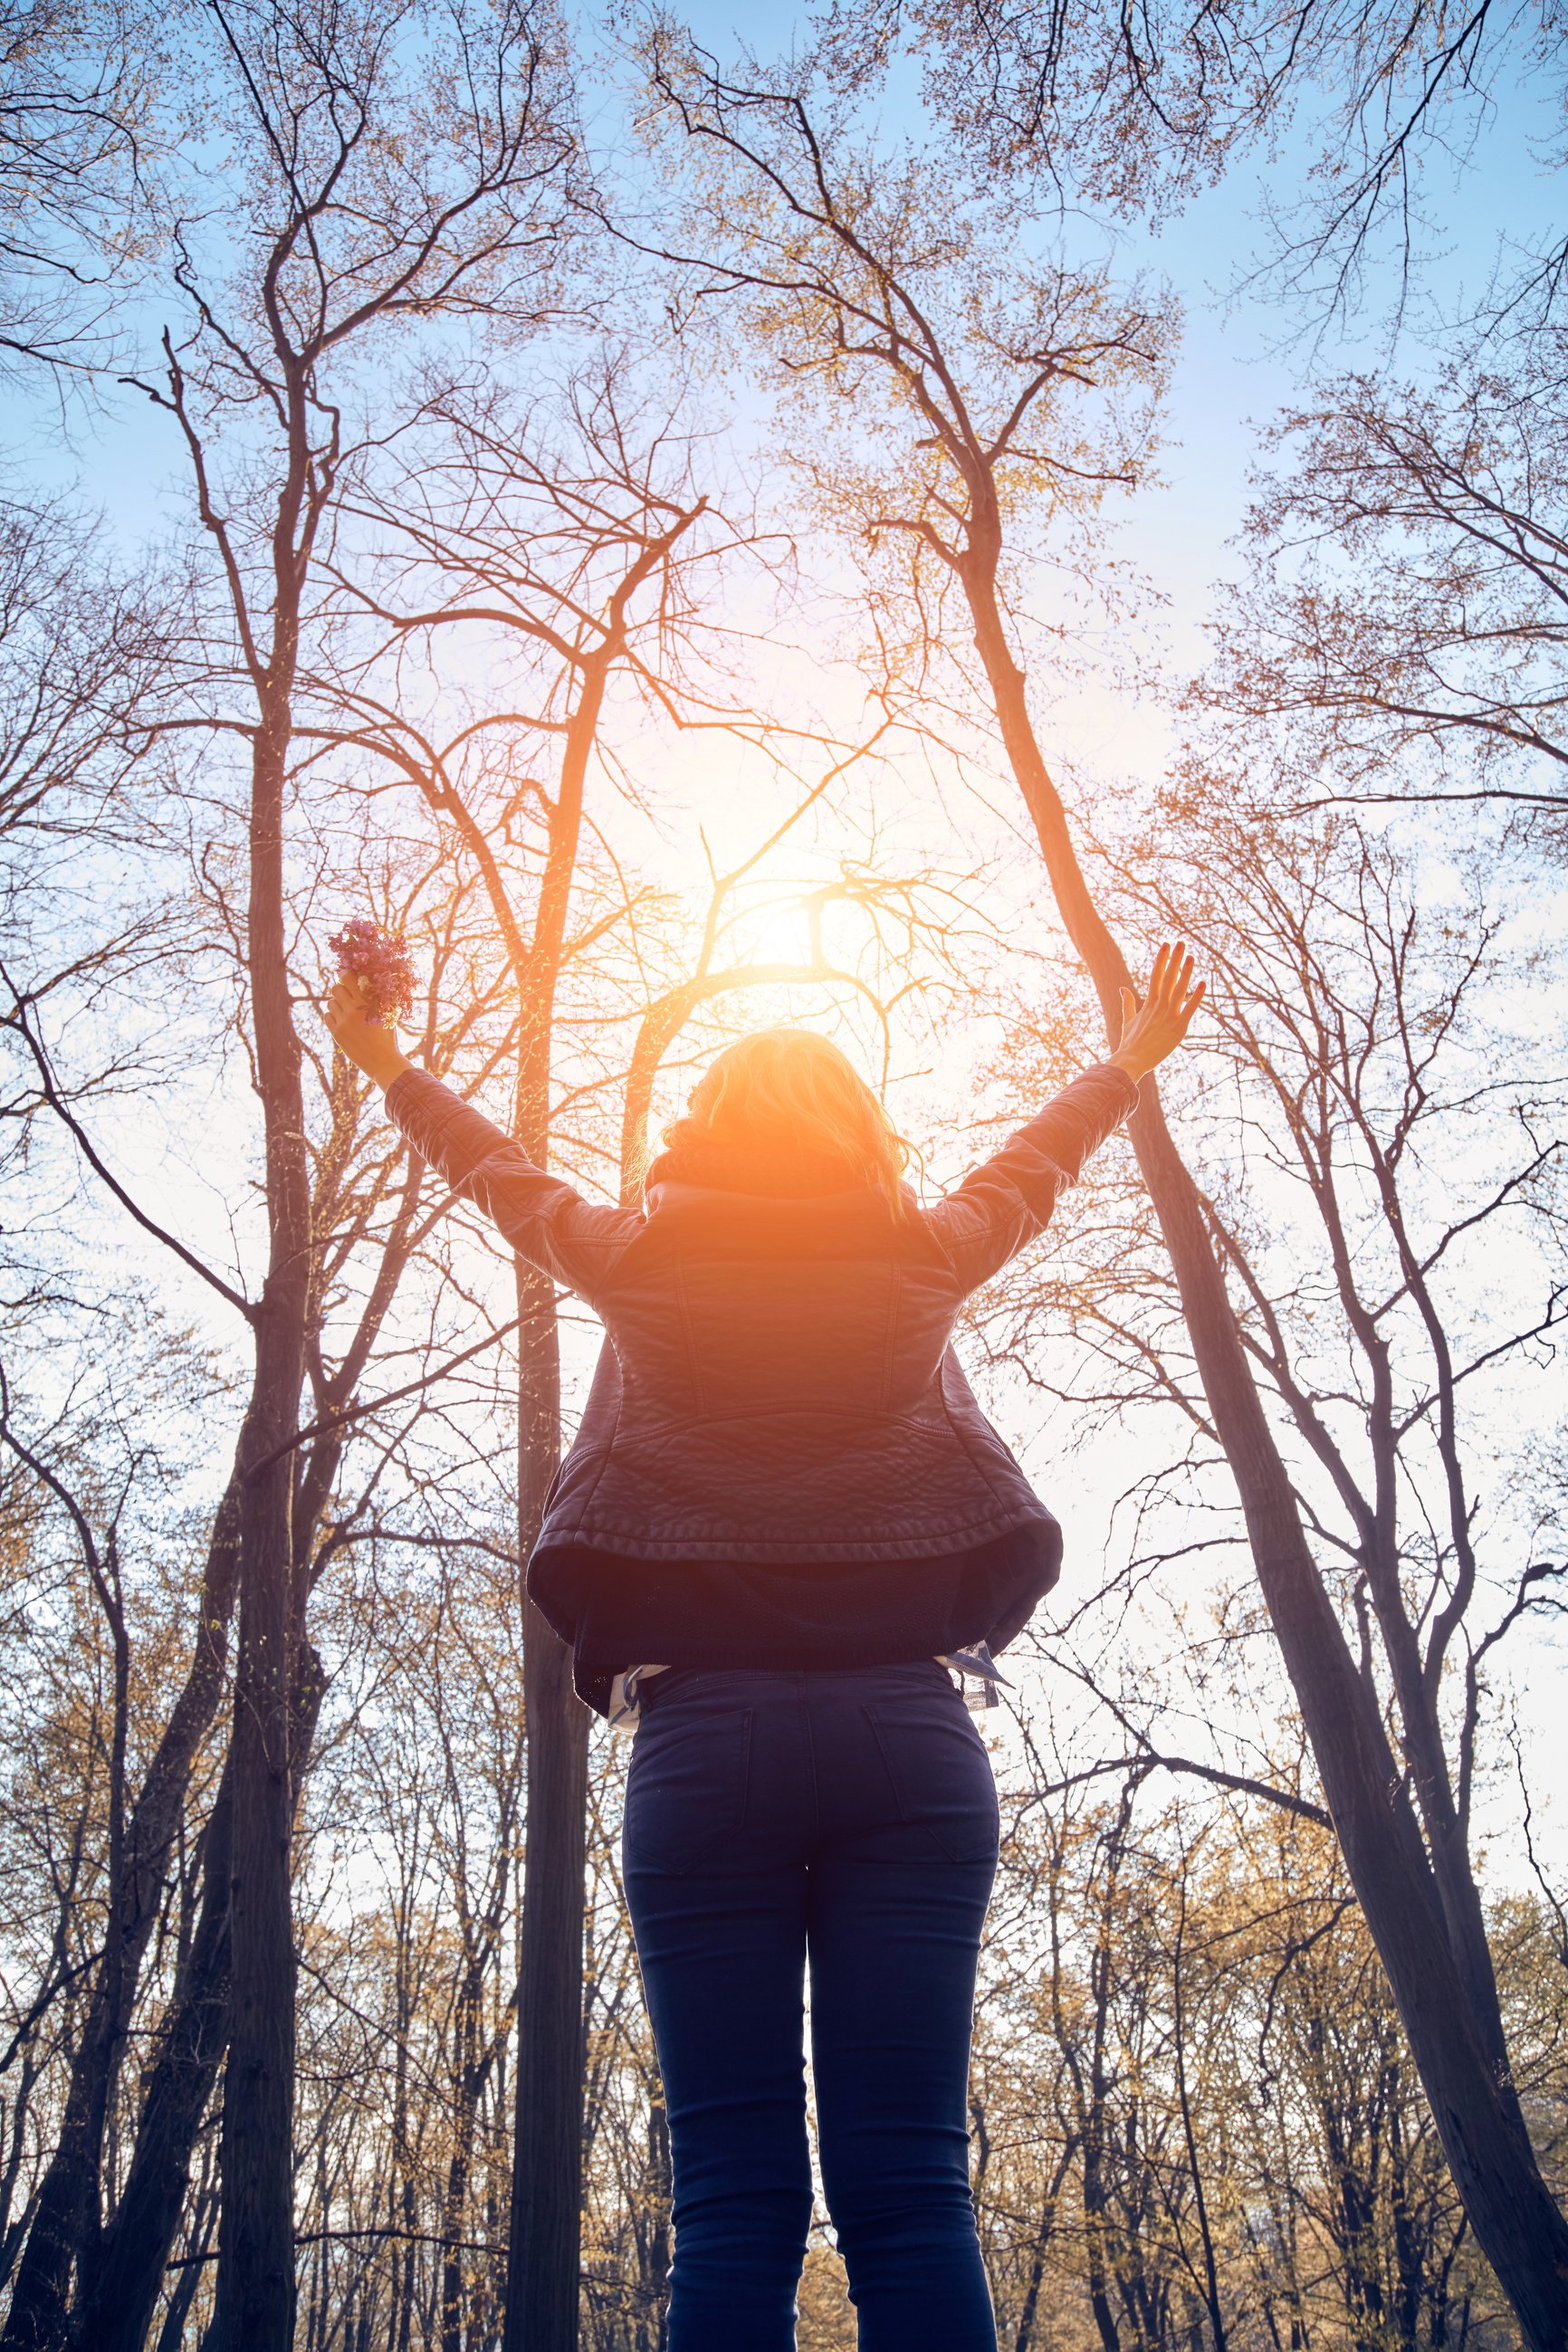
{"x": 792, "y": 1093}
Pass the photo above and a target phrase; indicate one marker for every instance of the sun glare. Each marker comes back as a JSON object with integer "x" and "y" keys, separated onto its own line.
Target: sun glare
{"x": 783, "y": 935}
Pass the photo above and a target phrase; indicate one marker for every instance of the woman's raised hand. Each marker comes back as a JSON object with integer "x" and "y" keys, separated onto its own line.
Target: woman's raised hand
{"x": 1156, "y": 1027}
{"x": 371, "y": 1046}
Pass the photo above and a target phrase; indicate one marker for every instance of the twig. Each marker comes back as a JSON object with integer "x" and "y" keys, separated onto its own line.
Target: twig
{"x": 17, "y": 1019}
{"x": 324, "y": 1428}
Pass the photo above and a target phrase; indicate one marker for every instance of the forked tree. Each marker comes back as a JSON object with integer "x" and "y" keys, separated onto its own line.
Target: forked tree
{"x": 970, "y": 373}
{"x": 567, "y": 563}
{"x": 355, "y": 206}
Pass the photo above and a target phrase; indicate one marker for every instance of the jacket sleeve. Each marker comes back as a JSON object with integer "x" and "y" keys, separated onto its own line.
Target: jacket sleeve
{"x": 1010, "y": 1198}
{"x": 575, "y": 1241}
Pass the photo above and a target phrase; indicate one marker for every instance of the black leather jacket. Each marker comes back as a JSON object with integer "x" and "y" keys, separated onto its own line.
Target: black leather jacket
{"x": 777, "y": 1383}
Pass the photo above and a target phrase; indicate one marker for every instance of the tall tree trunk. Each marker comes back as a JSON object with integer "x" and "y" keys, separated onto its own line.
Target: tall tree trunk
{"x": 127, "y": 2274}
{"x": 1520, "y": 2228}
{"x": 401, "y": 2207}
{"x": 65, "y": 2217}
{"x": 470, "y": 2072}
{"x": 171, "y": 2335}
{"x": 544, "y": 2255}
{"x": 255, "y": 2305}
{"x": 544, "y": 2235}
{"x": 544, "y": 2241}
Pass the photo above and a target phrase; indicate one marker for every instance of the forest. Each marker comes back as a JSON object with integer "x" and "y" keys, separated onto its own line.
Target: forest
{"x": 872, "y": 517}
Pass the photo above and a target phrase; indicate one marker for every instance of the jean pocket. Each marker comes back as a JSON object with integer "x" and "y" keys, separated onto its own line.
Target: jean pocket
{"x": 687, "y": 1789}
{"x": 941, "y": 1774}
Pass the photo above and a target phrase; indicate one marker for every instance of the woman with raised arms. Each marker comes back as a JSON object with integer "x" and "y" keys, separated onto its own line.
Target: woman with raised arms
{"x": 783, "y": 1538}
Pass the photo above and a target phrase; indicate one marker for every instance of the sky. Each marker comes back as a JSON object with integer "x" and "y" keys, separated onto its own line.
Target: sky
{"x": 1242, "y": 360}
{"x": 1238, "y": 366}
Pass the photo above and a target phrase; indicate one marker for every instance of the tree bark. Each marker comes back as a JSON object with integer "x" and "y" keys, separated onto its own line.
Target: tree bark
{"x": 66, "y": 2218}
{"x": 127, "y": 2276}
{"x": 255, "y": 2304}
{"x": 544, "y": 2255}
{"x": 1517, "y": 2223}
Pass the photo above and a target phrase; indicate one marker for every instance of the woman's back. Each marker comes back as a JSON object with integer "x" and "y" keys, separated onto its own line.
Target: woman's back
{"x": 777, "y": 1379}
{"x": 784, "y": 1503}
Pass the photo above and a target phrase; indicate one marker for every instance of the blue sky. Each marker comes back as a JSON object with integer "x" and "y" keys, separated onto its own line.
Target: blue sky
{"x": 1238, "y": 366}
{"x": 1244, "y": 357}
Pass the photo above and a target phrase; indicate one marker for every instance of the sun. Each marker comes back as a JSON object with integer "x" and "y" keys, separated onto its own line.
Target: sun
{"x": 783, "y": 935}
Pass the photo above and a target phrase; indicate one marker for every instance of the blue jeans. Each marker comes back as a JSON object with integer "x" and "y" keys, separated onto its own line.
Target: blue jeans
{"x": 847, "y": 1816}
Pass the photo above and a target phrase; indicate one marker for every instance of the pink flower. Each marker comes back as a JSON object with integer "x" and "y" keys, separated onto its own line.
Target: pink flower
{"x": 380, "y": 958}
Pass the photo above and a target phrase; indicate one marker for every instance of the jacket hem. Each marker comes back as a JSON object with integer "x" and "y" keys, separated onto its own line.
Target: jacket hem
{"x": 922, "y": 1539}
{"x": 738, "y": 1658}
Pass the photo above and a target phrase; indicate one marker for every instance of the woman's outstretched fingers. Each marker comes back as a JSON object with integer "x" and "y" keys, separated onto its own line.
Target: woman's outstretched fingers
{"x": 1151, "y": 1030}
{"x": 1178, "y": 976}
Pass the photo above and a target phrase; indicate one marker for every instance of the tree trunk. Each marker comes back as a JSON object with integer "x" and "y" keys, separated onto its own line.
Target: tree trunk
{"x": 65, "y": 2217}
{"x": 121, "y": 2294}
{"x": 455, "y": 2212}
{"x": 1519, "y": 2227}
{"x": 544, "y": 2255}
{"x": 129, "y": 2272}
{"x": 171, "y": 2335}
{"x": 255, "y": 2306}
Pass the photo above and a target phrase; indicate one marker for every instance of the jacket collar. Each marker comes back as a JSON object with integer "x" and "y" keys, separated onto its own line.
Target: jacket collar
{"x": 707, "y": 1165}
{"x": 738, "y": 1207}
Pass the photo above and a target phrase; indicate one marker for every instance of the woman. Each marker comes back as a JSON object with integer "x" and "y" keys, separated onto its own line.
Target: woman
{"x": 783, "y": 1525}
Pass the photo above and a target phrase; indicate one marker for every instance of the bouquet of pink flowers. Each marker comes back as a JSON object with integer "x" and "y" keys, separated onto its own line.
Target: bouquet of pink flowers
{"x": 380, "y": 958}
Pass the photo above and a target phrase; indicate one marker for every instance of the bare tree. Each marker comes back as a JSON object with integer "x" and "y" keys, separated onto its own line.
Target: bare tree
{"x": 1365, "y": 1059}
{"x": 81, "y": 135}
{"x": 577, "y": 547}
{"x": 367, "y": 1207}
{"x": 571, "y": 558}
{"x": 1138, "y": 113}
{"x": 859, "y": 278}
{"x": 1401, "y": 631}
{"x": 342, "y": 239}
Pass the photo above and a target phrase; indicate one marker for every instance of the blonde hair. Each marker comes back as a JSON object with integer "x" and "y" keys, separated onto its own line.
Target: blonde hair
{"x": 790, "y": 1091}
